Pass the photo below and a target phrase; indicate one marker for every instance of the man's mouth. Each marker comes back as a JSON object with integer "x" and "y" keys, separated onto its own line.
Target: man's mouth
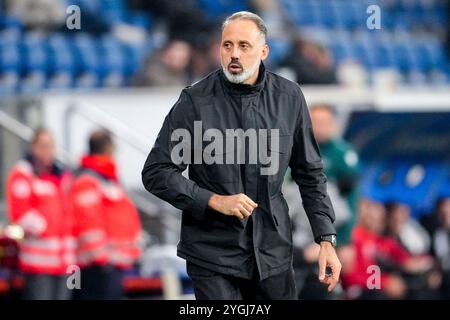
{"x": 235, "y": 67}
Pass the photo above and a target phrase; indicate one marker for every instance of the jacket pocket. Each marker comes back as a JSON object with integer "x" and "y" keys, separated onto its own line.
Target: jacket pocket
{"x": 281, "y": 235}
{"x": 280, "y": 156}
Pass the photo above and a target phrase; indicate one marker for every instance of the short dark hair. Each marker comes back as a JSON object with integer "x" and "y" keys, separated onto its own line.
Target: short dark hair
{"x": 391, "y": 206}
{"x": 99, "y": 141}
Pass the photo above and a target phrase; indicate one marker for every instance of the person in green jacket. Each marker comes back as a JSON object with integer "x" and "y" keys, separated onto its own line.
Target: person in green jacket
{"x": 341, "y": 166}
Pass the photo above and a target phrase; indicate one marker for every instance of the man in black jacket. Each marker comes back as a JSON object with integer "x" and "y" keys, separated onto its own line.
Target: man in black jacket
{"x": 236, "y": 233}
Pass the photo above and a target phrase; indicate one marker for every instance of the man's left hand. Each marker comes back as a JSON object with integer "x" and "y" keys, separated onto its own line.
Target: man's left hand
{"x": 328, "y": 258}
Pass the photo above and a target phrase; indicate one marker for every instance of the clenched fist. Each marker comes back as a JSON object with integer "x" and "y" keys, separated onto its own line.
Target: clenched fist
{"x": 238, "y": 205}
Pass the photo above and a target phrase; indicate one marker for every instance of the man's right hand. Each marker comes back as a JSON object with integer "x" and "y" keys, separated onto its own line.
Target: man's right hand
{"x": 238, "y": 205}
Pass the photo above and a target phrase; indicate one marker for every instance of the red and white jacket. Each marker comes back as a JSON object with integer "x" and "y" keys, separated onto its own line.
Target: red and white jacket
{"x": 107, "y": 228}
{"x": 39, "y": 204}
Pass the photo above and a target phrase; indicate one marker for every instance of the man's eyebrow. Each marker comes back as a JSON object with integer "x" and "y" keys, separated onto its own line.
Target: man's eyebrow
{"x": 239, "y": 41}
{"x": 244, "y": 42}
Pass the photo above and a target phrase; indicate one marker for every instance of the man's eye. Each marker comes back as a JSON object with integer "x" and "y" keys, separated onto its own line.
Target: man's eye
{"x": 244, "y": 46}
{"x": 227, "y": 46}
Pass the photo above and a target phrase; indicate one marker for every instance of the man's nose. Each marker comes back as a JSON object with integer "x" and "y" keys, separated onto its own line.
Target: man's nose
{"x": 235, "y": 53}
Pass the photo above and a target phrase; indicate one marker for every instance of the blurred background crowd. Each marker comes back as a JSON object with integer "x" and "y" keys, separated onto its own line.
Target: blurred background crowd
{"x": 163, "y": 42}
{"x": 379, "y": 101}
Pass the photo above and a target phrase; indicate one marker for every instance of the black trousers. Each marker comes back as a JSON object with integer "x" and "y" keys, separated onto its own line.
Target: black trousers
{"x": 210, "y": 285}
{"x": 100, "y": 283}
{"x": 45, "y": 287}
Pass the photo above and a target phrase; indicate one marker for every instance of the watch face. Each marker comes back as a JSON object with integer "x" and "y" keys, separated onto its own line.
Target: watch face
{"x": 333, "y": 239}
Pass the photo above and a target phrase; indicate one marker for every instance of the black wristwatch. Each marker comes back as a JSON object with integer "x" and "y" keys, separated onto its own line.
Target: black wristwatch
{"x": 329, "y": 237}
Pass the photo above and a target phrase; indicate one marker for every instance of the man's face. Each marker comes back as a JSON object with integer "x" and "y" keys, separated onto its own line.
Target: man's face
{"x": 444, "y": 213}
{"x": 43, "y": 149}
{"x": 398, "y": 217}
{"x": 323, "y": 124}
{"x": 372, "y": 215}
{"x": 242, "y": 50}
{"x": 177, "y": 55}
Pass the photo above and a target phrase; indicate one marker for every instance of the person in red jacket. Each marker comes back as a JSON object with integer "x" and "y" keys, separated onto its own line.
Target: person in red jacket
{"x": 37, "y": 197}
{"x": 107, "y": 224}
{"x": 371, "y": 251}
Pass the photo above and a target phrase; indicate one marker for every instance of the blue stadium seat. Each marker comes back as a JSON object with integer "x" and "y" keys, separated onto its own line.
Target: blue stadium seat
{"x": 87, "y": 80}
{"x": 114, "y": 67}
{"x": 386, "y": 53}
{"x": 10, "y": 68}
{"x": 443, "y": 189}
{"x": 326, "y": 16}
{"x": 92, "y": 6}
{"x": 222, "y": 7}
{"x": 36, "y": 63}
{"x": 66, "y": 59}
{"x": 279, "y": 48}
{"x": 64, "y": 68}
{"x": 342, "y": 50}
{"x": 140, "y": 19}
{"x": 436, "y": 54}
{"x": 366, "y": 55}
{"x": 36, "y": 59}
{"x": 378, "y": 181}
{"x": 9, "y": 82}
{"x": 84, "y": 41}
{"x": 405, "y": 59}
{"x": 10, "y": 58}
{"x": 89, "y": 62}
{"x": 415, "y": 184}
{"x": 10, "y": 22}
{"x": 33, "y": 82}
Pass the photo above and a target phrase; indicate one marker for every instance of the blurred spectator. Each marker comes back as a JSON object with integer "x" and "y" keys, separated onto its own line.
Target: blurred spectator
{"x": 37, "y": 201}
{"x": 306, "y": 250}
{"x": 38, "y": 14}
{"x": 168, "y": 67}
{"x": 441, "y": 243}
{"x": 341, "y": 168}
{"x": 370, "y": 248}
{"x": 205, "y": 59}
{"x": 107, "y": 224}
{"x": 184, "y": 19}
{"x": 414, "y": 238}
{"x": 406, "y": 230}
{"x": 311, "y": 62}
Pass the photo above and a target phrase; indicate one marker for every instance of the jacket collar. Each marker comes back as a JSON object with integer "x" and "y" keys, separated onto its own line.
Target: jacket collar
{"x": 55, "y": 169}
{"x": 103, "y": 165}
{"x": 240, "y": 88}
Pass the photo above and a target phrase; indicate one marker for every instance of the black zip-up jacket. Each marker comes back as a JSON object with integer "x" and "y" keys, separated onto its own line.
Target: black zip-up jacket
{"x": 263, "y": 243}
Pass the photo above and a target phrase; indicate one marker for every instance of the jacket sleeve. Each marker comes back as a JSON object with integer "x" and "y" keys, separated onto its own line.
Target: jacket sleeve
{"x": 21, "y": 208}
{"x": 307, "y": 171}
{"x": 161, "y": 176}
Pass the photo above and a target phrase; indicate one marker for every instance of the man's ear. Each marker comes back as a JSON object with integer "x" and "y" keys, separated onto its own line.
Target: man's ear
{"x": 265, "y": 52}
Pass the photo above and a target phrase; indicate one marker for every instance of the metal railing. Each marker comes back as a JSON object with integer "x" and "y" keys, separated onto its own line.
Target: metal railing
{"x": 25, "y": 133}
{"x": 125, "y": 133}
{"x": 104, "y": 120}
